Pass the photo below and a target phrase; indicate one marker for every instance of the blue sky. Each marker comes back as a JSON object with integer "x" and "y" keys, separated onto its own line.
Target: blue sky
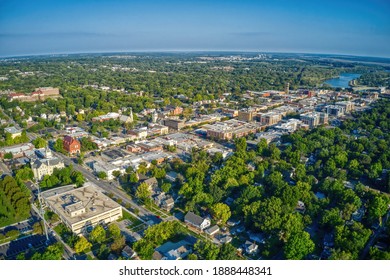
{"x": 333, "y": 27}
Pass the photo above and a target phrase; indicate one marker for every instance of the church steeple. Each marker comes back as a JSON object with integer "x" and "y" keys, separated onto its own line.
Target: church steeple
{"x": 48, "y": 153}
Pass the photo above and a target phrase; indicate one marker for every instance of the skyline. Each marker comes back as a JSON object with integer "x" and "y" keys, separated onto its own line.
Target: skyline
{"x": 320, "y": 27}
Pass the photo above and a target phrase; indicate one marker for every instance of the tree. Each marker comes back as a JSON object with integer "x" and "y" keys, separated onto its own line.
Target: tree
{"x": 116, "y": 173}
{"x": 377, "y": 208}
{"x": 8, "y": 156}
{"x": 114, "y": 230}
{"x": 102, "y": 175}
{"x": 118, "y": 244}
{"x": 166, "y": 187}
{"x": 98, "y": 234}
{"x": 37, "y": 228}
{"x": 206, "y": 250}
{"x": 82, "y": 245}
{"x": 266, "y": 215}
{"x": 298, "y": 246}
{"x": 143, "y": 192}
{"x": 221, "y": 212}
{"x": 39, "y": 143}
{"x": 227, "y": 252}
{"x": 59, "y": 146}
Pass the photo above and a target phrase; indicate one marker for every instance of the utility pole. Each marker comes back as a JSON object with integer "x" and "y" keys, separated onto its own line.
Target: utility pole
{"x": 41, "y": 210}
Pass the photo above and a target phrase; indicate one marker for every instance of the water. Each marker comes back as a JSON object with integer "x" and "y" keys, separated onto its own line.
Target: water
{"x": 343, "y": 80}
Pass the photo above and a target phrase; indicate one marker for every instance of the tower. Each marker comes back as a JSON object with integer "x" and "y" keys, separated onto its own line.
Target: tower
{"x": 287, "y": 88}
{"x": 131, "y": 115}
{"x": 48, "y": 153}
{"x": 154, "y": 117}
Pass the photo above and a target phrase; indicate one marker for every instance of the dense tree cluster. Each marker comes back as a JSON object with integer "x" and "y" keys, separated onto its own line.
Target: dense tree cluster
{"x": 14, "y": 201}
{"x": 61, "y": 177}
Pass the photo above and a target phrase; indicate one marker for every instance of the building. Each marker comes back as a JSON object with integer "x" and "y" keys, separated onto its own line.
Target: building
{"x": 250, "y": 247}
{"x": 335, "y": 110}
{"x": 270, "y": 118}
{"x": 212, "y": 230}
{"x": 173, "y": 251}
{"x": 46, "y": 165}
{"x": 347, "y": 105}
{"x": 71, "y": 145}
{"x": 229, "y": 129}
{"x": 313, "y": 119}
{"x": 39, "y": 94}
{"x": 246, "y": 115}
{"x": 196, "y": 221}
{"x": 173, "y": 110}
{"x": 128, "y": 253}
{"x": 106, "y": 167}
{"x": 17, "y": 151}
{"x": 174, "y": 124}
{"x": 13, "y": 131}
{"x": 83, "y": 208}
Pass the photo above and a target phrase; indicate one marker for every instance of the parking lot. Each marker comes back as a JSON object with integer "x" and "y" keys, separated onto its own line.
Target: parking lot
{"x": 21, "y": 245}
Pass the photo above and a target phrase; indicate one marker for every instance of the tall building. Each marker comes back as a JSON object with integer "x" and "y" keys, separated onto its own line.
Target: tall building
{"x": 313, "y": 119}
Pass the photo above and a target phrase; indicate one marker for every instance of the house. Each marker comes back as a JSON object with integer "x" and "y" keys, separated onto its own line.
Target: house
{"x": 164, "y": 201}
{"x": 301, "y": 208}
{"x": 223, "y": 239}
{"x": 256, "y": 237}
{"x": 250, "y": 247}
{"x": 212, "y": 230}
{"x": 171, "y": 176}
{"x": 196, "y": 221}
{"x": 71, "y": 145}
{"x": 151, "y": 182}
{"x": 13, "y": 131}
{"x": 128, "y": 253}
{"x": 173, "y": 251}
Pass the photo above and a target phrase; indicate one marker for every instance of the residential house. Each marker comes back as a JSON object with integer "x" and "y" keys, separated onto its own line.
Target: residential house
{"x": 197, "y": 221}
{"x": 71, "y": 145}
{"x": 173, "y": 251}
{"x": 250, "y": 247}
{"x": 164, "y": 201}
{"x": 212, "y": 230}
{"x": 171, "y": 176}
{"x": 128, "y": 253}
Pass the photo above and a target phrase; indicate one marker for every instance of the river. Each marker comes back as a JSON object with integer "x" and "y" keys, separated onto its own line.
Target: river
{"x": 342, "y": 81}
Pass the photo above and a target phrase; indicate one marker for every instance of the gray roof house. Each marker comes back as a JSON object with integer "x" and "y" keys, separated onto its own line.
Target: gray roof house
{"x": 196, "y": 221}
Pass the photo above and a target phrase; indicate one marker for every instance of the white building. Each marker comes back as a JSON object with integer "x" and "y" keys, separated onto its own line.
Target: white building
{"x": 45, "y": 166}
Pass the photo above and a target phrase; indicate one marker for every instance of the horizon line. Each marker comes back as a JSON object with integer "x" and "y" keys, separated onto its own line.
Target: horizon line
{"x": 186, "y": 51}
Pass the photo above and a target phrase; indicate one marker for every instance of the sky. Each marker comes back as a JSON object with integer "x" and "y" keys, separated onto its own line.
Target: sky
{"x": 358, "y": 27}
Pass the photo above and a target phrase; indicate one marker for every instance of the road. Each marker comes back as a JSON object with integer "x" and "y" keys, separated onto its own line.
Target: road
{"x": 68, "y": 251}
{"x": 374, "y": 237}
{"x": 144, "y": 214}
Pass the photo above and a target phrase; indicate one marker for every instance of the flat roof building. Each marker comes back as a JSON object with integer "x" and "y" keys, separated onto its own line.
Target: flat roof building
{"x": 82, "y": 208}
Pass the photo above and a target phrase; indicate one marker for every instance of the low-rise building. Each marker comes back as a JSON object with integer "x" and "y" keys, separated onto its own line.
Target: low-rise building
{"x": 106, "y": 167}
{"x": 17, "y": 151}
{"x": 71, "y": 145}
{"x": 82, "y": 208}
{"x": 46, "y": 165}
{"x": 13, "y": 131}
{"x": 196, "y": 221}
